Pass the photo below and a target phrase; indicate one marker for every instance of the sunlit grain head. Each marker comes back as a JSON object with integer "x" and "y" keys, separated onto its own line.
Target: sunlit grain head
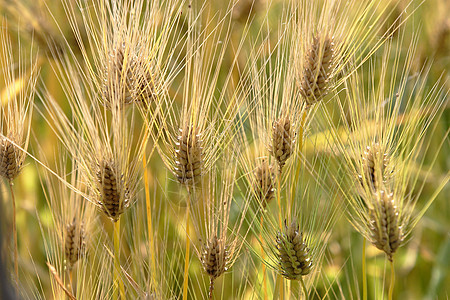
{"x": 385, "y": 142}
{"x": 127, "y": 48}
{"x": 195, "y": 121}
{"x": 332, "y": 38}
{"x": 108, "y": 145}
{"x": 18, "y": 81}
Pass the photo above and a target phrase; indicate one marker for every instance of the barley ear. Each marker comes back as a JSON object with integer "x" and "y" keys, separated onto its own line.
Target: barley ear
{"x": 294, "y": 259}
{"x": 11, "y": 159}
{"x": 214, "y": 260}
{"x": 386, "y": 232}
{"x": 375, "y": 164}
{"x": 282, "y": 144}
{"x": 130, "y": 76}
{"x": 74, "y": 242}
{"x": 317, "y": 69}
{"x": 188, "y": 156}
{"x": 264, "y": 183}
{"x": 111, "y": 186}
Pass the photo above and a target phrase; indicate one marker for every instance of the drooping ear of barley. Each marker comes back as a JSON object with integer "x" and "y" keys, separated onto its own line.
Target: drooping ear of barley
{"x": 74, "y": 242}
{"x": 188, "y": 156}
{"x": 317, "y": 69}
{"x": 282, "y": 142}
{"x": 386, "y": 229}
{"x": 293, "y": 253}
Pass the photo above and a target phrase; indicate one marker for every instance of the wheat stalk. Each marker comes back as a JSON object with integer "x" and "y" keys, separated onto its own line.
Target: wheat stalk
{"x": 384, "y": 140}
{"x": 15, "y": 113}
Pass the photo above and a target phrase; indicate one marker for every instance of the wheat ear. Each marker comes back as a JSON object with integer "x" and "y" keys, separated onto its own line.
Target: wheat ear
{"x": 133, "y": 74}
{"x": 386, "y": 232}
{"x": 188, "y": 156}
{"x": 294, "y": 260}
{"x": 214, "y": 260}
{"x": 282, "y": 144}
{"x": 111, "y": 186}
{"x": 375, "y": 164}
{"x": 264, "y": 183}
{"x": 317, "y": 69}
{"x": 74, "y": 242}
{"x": 11, "y": 162}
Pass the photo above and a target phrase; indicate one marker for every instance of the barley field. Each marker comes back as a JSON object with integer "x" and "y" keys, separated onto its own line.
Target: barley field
{"x": 238, "y": 149}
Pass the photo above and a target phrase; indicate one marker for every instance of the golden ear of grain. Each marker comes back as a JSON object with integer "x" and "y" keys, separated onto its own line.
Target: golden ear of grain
{"x": 144, "y": 91}
{"x": 214, "y": 257}
{"x": 282, "y": 140}
{"x": 317, "y": 69}
{"x": 264, "y": 183}
{"x": 294, "y": 260}
{"x": 130, "y": 77}
{"x": 74, "y": 242}
{"x": 386, "y": 232}
{"x": 11, "y": 159}
{"x": 188, "y": 156}
{"x": 110, "y": 186}
{"x": 375, "y": 163}
{"x": 117, "y": 80}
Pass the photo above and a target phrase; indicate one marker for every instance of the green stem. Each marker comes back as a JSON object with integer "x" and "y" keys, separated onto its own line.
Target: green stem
{"x": 391, "y": 286}
{"x": 16, "y": 253}
{"x": 149, "y": 224}
{"x": 120, "y": 289}
{"x": 186, "y": 260}
{"x": 299, "y": 150}
{"x": 263, "y": 265}
{"x": 280, "y": 219}
{"x": 364, "y": 273}
{"x": 305, "y": 291}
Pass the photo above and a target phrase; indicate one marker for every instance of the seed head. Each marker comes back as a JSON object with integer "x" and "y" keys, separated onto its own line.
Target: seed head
{"x": 293, "y": 254}
{"x": 114, "y": 195}
{"x": 264, "y": 183}
{"x": 282, "y": 140}
{"x": 317, "y": 69}
{"x": 11, "y": 159}
{"x": 375, "y": 163}
{"x": 214, "y": 257}
{"x": 128, "y": 75}
{"x": 74, "y": 242}
{"x": 386, "y": 232}
{"x": 188, "y": 156}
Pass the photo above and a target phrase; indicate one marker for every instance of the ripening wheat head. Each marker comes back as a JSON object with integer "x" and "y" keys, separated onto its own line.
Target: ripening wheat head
{"x": 127, "y": 48}
{"x": 193, "y": 123}
{"x": 385, "y": 145}
{"x": 332, "y": 38}
{"x": 258, "y": 169}
{"x": 71, "y": 240}
{"x": 107, "y": 144}
{"x": 272, "y": 101}
{"x": 219, "y": 240}
{"x": 17, "y": 84}
{"x": 295, "y": 248}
